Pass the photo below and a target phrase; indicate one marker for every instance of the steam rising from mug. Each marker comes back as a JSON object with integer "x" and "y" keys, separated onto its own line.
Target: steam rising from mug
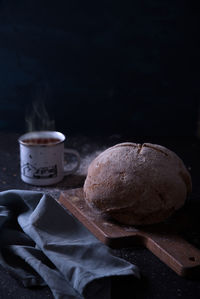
{"x": 37, "y": 117}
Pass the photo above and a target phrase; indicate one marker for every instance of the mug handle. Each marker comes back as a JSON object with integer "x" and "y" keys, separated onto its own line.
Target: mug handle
{"x": 75, "y": 153}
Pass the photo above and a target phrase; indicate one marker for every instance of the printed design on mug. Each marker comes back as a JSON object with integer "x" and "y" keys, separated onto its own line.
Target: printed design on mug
{"x": 32, "y": 172}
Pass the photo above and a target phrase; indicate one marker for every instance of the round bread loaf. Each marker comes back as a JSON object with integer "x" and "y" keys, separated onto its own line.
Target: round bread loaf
{"x": 137, "y": 184}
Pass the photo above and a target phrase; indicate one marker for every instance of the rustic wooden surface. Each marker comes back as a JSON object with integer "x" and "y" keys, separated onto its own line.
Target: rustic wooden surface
{"x": 162, "y": 239}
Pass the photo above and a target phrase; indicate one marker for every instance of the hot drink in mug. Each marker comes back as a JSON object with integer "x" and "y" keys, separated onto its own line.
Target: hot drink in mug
{"x": 42, "y": 157}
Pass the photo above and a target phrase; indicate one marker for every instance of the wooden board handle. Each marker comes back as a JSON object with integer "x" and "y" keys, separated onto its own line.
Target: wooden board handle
{"x": 177, "y": 253}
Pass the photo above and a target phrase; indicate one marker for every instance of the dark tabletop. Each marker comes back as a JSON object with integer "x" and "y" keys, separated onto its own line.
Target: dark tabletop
{"x": 157, "y": 280}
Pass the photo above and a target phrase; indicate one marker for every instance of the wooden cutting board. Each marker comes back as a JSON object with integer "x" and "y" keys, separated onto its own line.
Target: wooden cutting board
{"x": 164, "y": 240}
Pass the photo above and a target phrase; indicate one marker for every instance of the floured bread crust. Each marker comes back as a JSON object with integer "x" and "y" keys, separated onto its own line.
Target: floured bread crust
{"x": 137, "y": 184}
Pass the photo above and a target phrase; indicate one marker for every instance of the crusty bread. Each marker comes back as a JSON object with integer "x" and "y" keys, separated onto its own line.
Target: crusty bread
{"x": 137, "y": 184}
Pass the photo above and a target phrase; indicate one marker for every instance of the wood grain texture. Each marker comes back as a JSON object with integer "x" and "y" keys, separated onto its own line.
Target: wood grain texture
{"x": 163, "y": 240}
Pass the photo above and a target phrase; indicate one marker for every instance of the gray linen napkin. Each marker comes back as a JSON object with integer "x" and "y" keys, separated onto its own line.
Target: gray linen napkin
{"x": 41, "y": 244}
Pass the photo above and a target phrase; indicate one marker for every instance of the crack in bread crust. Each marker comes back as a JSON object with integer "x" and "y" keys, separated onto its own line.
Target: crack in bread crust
{"x": 155, "y": 148}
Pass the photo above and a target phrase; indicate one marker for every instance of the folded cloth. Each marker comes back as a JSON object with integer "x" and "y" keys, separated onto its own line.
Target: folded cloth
{"x": 42, "y": 244}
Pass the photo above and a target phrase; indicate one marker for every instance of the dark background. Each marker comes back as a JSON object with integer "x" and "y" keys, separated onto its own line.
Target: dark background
{"x": 100, "y": 67}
